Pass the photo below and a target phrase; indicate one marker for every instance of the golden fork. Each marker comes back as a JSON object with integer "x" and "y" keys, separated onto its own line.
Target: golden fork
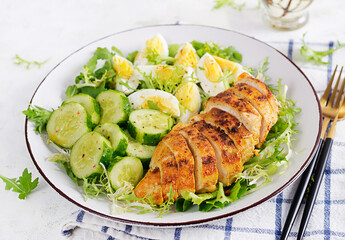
{"x": 332, "y": 110}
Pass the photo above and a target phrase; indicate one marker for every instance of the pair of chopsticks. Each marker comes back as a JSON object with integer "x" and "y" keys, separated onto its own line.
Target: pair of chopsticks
{"x": 318, "y": 164}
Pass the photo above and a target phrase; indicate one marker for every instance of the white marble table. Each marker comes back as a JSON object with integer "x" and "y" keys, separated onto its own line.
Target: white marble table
{"x": 50, "y": 30}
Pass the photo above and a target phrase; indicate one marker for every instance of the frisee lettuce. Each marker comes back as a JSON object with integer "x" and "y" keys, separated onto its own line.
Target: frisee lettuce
{"x": 39, "y": 116}
{"x": 212, "y": 48}
{"x": 168, "y": 79}
{"x": 154, "y": 58}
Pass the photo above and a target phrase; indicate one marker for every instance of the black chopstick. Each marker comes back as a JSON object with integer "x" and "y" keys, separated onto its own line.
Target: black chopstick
{"x": 299, "y": 194}
{"x": 318, "y": 176}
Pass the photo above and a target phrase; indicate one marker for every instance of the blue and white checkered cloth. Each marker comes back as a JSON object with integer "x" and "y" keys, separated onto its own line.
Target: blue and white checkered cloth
{"x": 266, "y": 220}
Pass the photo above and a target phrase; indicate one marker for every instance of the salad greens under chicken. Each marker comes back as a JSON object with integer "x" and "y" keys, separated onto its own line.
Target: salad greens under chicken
{"x": 121, "y": 106}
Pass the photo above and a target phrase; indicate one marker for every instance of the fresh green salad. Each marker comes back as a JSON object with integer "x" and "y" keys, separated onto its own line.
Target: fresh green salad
{"x": 121, "y": 106}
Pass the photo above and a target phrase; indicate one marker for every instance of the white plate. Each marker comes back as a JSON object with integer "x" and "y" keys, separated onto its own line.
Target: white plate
{"x": 50, "y": 94}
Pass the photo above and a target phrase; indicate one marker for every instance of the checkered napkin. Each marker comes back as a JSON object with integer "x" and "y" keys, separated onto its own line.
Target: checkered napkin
{"x": 266, "y": 220}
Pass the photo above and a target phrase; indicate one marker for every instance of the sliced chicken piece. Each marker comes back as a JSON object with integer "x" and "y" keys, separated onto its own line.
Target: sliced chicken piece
{"x": 261, "y": 87}
{"x": 150, "y": 185}
{"x": 185, "y": 161}
{"x": 229, "y": 162}
{"x": 164, "y": 159}
{"x": 261, "y": 104}
{"x": 205, "y": 163}
{"x": 239, "y": 134}
{"x": 239, "y": 108}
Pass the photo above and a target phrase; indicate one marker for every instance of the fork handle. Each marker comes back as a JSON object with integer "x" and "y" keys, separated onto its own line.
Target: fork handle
{"x": 318, "y": 176}
{"x": 299, "y": 194}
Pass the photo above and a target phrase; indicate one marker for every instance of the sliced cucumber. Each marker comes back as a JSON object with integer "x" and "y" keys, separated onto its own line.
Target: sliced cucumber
{"x": 86, "y": 154}
{"x": 149, "y": 126}
{"x": 89, "y": 103}
{"x": 128, "y": 169}
{"x": 138, "y": 150}
{"x": 115, "y": 106}
{"x": 118, "y": 139}
{"x": 68, "y": 123}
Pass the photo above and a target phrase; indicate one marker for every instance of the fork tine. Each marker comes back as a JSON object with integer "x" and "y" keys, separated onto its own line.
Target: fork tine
{"x": 335, "y": 90}
{"x": 325, "y": 95}
{"x": 341, "y": 90}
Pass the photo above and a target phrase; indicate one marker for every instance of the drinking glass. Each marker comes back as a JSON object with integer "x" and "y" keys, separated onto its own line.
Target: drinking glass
{"x": 286, "y": 14}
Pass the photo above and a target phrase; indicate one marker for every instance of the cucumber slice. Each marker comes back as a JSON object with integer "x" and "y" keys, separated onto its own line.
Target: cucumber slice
{"x": 118, "y": 139}
{"x": 86, "y": 154}
{"x": 128, "y": 169}
{"x": 149, "y": 126}
{"x": 138, "y": 150}
{"x": 68, "y": 123}
{"x": 115, "y": 106}
{"x": 89, "y": 103}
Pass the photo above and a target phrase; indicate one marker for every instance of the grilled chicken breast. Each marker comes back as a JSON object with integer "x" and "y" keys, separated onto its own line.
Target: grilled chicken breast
{"x": 164, "y": 159}
{"x": 228, "y": 157}
{"x": 184, "y": 159}
{"x": 239, "y": 108}
{"x": 213, "y": 145}
{"x": 239, "y": 134}
{"x": 150, "y": 185}
{"x": 205, "y": 163}
{"x": 260, "y": 103}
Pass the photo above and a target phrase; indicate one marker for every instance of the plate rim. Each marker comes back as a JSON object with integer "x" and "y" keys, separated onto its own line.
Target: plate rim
{"x": 193, "y": 222}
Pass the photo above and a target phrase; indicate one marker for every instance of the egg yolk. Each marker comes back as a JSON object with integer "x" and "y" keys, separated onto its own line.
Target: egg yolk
{"x": 163, "y": 104}
{"x": 187, "y": 57}
{"x": 211, "y": 70}
{"x": 226, "y": 64}
{"x": 123, "y": 67}
{"x": 188, "y": 96}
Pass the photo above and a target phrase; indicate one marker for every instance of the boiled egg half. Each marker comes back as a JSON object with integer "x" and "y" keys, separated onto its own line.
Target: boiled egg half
{"x": 125, "y": 79}
{"x": 189, "y": 98}
{"x": 186, "y": 56}
{"x": 157, "y": 44}
{"x": 165, "y": 101}
{"x": 209, "y": 73}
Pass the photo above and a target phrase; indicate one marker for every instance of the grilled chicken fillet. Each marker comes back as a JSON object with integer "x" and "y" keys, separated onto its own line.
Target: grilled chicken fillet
{"x": 164, "y": 159}
{"x": 184, "y": 159}
{"x": 260, "y": 103}
{"x": 228, "y": 157}
{"x": 213, "y": 145}
{"x": 239, "y": 134}
{"x": 150, "y": 185}
{"x": 239, "y": 108}
{"x": 205, "y": 163}
{"x": 262, "y": 88}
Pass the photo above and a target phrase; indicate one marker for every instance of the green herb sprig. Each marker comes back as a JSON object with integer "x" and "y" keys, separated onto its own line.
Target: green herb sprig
{"x": 20, "y": 61}
{"x": 24, "y": 185}
{"x": 231, "y": 3}
{"x": 316, "y": 56}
